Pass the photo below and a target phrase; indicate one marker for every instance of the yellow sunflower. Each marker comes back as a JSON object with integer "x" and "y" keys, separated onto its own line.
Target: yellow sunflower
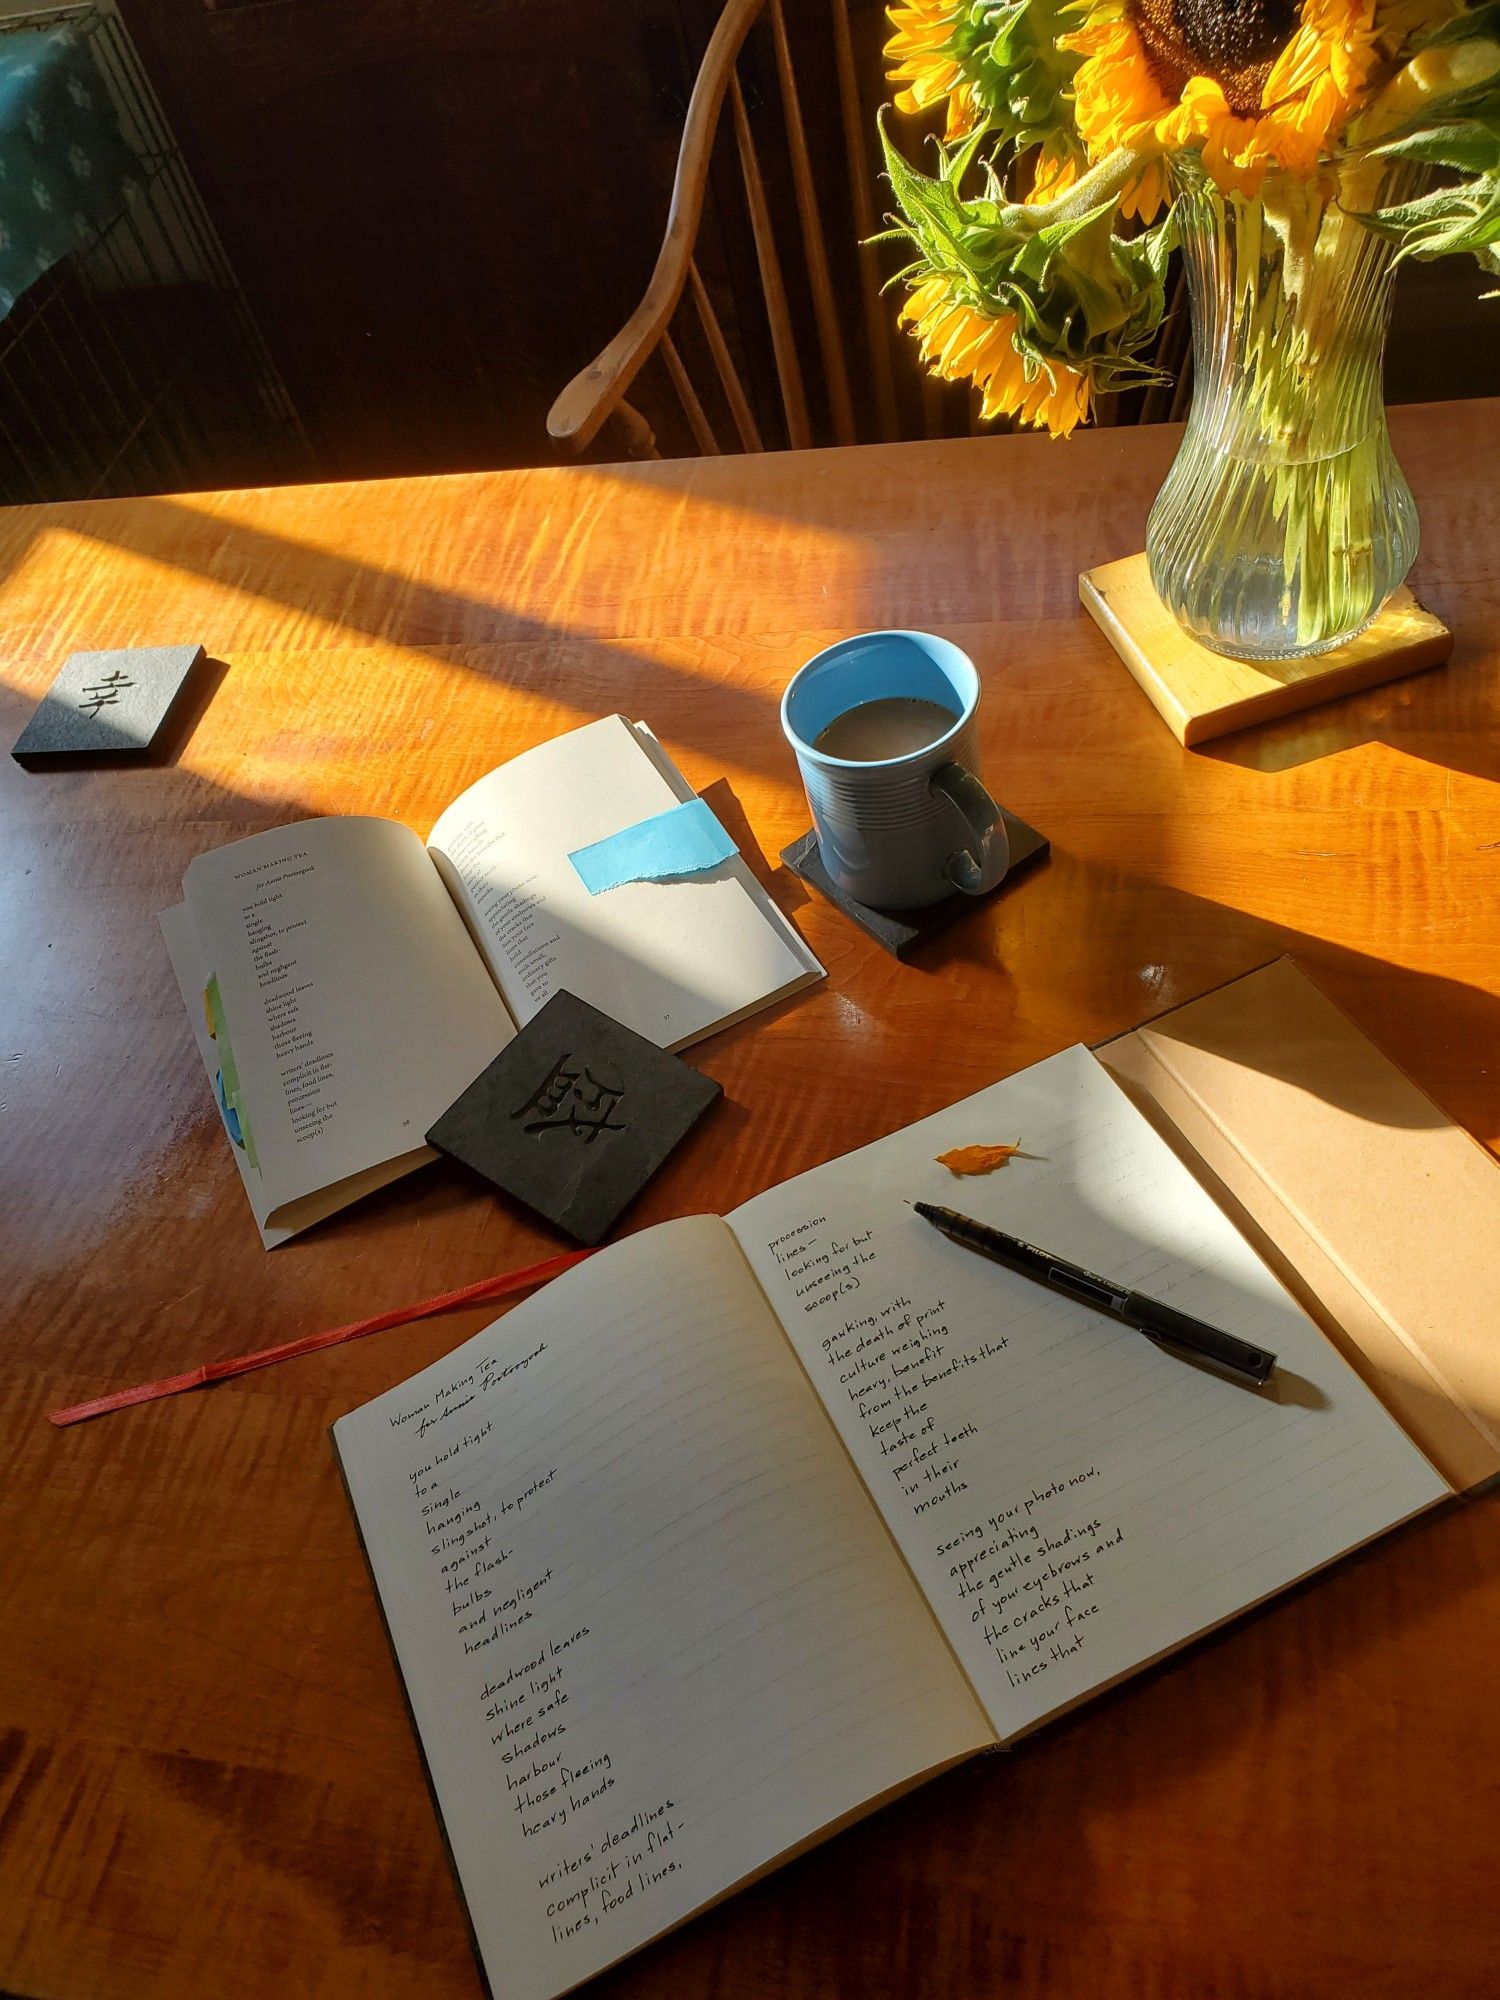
{"x": 1259, "y": 84}
{"x": 924, "y": 55}
{"x": 1051, "y": 176}
{"x": 963, "y": 345}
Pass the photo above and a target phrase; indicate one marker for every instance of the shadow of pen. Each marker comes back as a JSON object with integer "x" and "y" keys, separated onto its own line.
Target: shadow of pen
{"x": 1290, "y": 1390}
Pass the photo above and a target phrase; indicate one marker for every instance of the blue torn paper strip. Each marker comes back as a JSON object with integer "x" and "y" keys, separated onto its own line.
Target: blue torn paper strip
{"x": 684, "y": 840}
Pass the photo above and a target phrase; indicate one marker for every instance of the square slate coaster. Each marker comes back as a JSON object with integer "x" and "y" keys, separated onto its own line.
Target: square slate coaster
{"x": 107, "y": 704}
{"x": 901, "y": 932}
{"x": 574, "y": 1116}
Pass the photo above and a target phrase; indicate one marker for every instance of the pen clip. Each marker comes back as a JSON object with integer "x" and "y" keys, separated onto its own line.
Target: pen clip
{"x": 1089, "y": 1290}
{"x": 1219, "y": 1365}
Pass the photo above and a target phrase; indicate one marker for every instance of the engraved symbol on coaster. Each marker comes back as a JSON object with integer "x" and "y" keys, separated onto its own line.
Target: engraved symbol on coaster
{"x": 104, "y": 693}
{"x": 574, "y": 1116}
{"x": 572, "y": 1099}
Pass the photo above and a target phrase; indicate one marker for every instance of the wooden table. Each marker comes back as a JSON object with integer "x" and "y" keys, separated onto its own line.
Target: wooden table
{"x": 208, "y": 1782}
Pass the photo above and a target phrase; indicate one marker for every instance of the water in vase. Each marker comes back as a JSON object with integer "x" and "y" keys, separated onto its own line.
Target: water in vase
{"x": 1285, "y": 521}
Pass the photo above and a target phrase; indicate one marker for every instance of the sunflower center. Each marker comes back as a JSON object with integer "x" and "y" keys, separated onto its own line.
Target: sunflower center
{"x": 1233, "y": 41}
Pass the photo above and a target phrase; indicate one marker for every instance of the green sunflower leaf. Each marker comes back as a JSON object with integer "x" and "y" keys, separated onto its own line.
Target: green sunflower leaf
{"x": 1017, "y": 74}
{"x": 1461, "y": 216}
{"x": 1470, "y": 147}
{"x": 1474, "y": 21}
{"x": 1079, "y": 294}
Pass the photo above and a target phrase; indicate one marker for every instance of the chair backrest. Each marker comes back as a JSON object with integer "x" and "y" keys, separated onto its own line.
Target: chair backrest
{"x": 599, "y": 392}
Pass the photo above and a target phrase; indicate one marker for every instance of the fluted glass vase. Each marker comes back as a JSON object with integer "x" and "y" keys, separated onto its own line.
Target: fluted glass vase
{"x": 1285, "y": 521}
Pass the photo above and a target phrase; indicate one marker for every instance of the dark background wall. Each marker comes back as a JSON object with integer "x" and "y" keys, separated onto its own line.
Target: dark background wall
{"x": 440, "y": 209}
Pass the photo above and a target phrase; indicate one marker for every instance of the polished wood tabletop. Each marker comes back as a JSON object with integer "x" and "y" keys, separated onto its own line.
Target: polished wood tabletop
{"x": 208, "y": 1784}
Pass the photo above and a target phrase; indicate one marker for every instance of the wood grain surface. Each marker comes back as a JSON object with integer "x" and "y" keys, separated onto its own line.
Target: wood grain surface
{"x": 208, "y": 1784}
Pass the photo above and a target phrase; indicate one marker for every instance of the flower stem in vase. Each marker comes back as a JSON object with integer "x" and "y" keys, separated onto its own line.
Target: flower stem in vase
{"x": 1285, "y": 521}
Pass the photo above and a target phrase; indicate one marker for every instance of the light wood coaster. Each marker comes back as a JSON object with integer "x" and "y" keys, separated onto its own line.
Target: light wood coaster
{"x": 1201, "y": 694}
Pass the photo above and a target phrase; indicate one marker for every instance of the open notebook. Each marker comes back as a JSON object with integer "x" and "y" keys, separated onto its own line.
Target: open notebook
{"x": 749, "y": 1524}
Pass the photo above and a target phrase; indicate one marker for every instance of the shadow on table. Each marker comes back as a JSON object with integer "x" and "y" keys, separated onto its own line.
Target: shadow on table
{"x": 1438, "y": 717}
{"x": 1420, "y": 717}
{"x": 574, "y": 670}
{"x": 1097, "y": 917}
{"x": 986, "y": 573}
{"x": 1090, "y": 1846}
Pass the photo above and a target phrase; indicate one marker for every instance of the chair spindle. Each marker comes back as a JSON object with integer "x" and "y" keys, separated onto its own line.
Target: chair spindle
{"x": 718, "y": 347}
{"x": 783, "y": 341}
{"x": 687, "y": 395}
{"x": 814, "y": 249}
{"x": 856, "y": 156}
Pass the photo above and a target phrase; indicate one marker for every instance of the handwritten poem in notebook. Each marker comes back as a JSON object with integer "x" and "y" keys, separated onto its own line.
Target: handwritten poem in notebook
{"x": 1071, "y": 1500}
{"x": 652, "y": 1631}
{"x": 746, "y": 1525}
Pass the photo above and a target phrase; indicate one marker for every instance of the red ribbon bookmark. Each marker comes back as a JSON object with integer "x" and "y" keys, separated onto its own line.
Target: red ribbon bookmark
{"x": 310, "y": 1343}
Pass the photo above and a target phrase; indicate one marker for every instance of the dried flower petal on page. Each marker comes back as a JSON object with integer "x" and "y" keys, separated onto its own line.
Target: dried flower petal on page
{"x": 977, "y": 1159}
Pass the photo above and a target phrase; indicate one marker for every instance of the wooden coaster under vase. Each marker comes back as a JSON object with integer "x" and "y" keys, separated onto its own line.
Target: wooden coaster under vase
{"x": 1201, "y": 694}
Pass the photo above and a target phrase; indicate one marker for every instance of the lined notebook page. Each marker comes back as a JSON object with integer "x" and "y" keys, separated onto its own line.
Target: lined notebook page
{"x": 652, "y": 1631}
{"x": 1072, "y": 1500}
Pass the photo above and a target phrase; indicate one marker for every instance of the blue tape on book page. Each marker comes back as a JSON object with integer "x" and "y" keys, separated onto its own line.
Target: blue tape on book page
{"x": 684, "y": 840}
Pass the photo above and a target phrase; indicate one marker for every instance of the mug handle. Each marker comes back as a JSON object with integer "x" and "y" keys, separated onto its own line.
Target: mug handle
{"x": 978, "y": 867}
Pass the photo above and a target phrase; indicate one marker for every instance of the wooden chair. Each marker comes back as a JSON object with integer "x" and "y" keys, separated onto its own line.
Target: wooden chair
{"x": 599, "y": 393}
{"x": 899, "y": 398}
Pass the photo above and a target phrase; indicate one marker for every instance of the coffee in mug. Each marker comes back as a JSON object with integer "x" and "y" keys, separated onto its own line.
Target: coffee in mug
{"x": 891, "y": 727}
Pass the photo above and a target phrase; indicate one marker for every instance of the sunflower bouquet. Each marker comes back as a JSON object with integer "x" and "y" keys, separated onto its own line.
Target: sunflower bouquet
{"x": 1074, "y": 127}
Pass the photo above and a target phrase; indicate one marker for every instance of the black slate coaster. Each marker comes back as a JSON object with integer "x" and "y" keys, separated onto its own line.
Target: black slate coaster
{"x": 575, "y": 1116}
{"x": 902, "y": 932}
{"x": 107, "y": 704}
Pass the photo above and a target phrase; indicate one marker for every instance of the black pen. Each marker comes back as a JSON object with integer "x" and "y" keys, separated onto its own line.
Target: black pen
{"x": 1175, "y": 1330}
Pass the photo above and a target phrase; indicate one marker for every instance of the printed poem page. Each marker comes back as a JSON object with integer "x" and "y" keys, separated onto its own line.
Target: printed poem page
{"x": 1072, "y": 1500}
{"x": 652, "y": 1631}
{"x": 673, "y": 960}
{"x": 357, "y": 1006}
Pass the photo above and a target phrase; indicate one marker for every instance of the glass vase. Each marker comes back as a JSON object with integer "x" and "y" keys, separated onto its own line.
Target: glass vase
{"x": 1285, "y": 522}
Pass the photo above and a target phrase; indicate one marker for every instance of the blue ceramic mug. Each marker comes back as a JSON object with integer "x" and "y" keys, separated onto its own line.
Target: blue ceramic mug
{"x": 907, "y": 830}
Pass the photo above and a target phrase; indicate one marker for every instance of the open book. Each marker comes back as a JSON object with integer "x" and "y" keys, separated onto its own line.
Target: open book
{"x": 747, "y": 1525}
{"x": 346, "y": 983}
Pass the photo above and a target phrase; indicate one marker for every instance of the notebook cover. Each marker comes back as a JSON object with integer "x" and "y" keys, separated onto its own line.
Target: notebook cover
{"x": 1380, "y": 1215}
